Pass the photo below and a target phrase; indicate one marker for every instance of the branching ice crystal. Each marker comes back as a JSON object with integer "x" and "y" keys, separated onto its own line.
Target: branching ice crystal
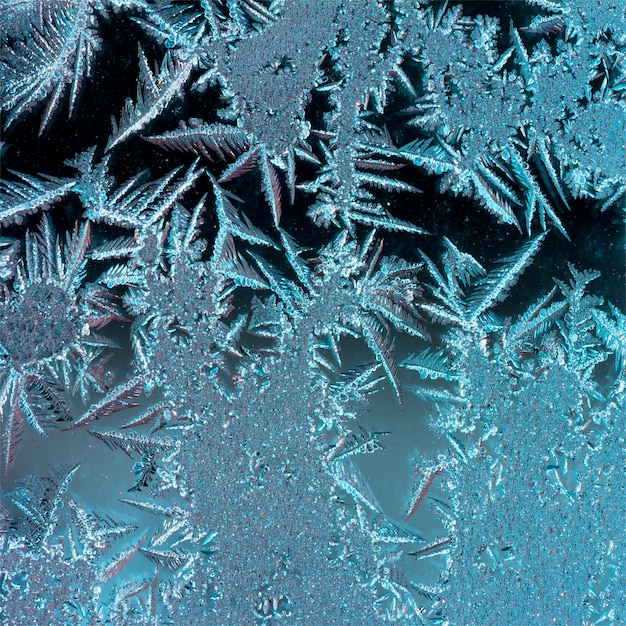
{"x": 520, "y": 444}
{"x": 48, "y": 334}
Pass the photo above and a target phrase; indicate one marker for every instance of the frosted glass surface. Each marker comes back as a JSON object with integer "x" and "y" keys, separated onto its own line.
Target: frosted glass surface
{"x": 312, "y": 312}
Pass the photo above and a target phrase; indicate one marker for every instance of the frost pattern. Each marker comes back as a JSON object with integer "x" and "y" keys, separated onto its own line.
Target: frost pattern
{"x": 237, "y": 200}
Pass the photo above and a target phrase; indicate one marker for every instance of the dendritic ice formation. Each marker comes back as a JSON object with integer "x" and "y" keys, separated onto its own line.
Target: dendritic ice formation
{"x": 231, "y": 229}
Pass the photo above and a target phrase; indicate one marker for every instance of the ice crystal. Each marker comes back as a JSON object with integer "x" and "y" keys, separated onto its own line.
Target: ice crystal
{"x": 518, "y": 445}
{"x": 48, "y": 334}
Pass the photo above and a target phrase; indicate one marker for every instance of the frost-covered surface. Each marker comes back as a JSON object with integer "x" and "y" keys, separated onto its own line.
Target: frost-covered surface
{"x": 230, "y": 230}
